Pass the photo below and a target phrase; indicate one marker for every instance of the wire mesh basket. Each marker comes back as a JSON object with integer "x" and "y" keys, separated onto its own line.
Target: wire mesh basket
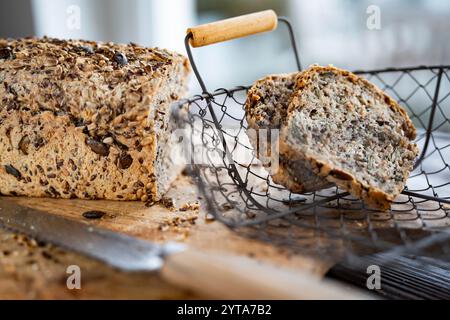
{"x": 240, "y": 193}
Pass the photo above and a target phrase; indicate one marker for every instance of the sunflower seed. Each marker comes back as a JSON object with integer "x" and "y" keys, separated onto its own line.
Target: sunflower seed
{"x": 23, "y": 144}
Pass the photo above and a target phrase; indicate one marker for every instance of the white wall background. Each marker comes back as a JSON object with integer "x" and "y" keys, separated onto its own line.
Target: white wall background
{"x": 413, "y": 32}
{"x": 16, "y": 19}
{"x": 147, "y": 22}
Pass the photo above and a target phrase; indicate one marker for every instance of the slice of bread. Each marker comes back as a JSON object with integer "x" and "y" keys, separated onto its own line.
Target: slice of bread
{"x": 350, "y": 133}
{"x": 266, "y": 109}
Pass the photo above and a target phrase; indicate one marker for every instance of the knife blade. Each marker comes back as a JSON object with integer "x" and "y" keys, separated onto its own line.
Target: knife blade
{"x": 118, "y": 250}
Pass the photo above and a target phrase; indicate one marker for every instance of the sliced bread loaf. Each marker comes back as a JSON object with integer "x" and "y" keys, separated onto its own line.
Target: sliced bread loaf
{"x": 350, "y": 133}
{"x": 80, "y": 119}
{"x": 266, "y": 109}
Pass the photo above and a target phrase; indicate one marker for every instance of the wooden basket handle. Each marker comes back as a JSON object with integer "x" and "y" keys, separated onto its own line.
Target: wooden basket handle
{"x": 233, "y": 28}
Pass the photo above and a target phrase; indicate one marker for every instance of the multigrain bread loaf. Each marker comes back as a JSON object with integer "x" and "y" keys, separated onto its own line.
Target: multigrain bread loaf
{"x": 351, "y": 133}
{"x": 266, "y": 109}
{"x": 87, "y": 120}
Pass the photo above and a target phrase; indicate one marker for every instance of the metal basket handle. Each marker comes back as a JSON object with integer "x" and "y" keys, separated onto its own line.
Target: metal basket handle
{"x": 222, "y": 31}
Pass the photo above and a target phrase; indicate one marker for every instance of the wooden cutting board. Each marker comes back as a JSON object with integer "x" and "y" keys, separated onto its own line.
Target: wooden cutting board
{"x": 32, "y": 270}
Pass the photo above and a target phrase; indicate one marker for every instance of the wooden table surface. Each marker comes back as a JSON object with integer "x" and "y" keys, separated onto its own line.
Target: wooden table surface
{"x": 32, "y": 270}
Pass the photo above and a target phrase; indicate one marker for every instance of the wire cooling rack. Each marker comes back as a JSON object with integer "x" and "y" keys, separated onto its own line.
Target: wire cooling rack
{"x": 240, "y": 193}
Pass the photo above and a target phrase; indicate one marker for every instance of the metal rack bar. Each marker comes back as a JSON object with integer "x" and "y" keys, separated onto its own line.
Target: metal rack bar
{"x": 431, "y": 121}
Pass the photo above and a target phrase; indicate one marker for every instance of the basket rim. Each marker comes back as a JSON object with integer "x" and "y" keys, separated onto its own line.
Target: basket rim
{"x": 221, "y": 91}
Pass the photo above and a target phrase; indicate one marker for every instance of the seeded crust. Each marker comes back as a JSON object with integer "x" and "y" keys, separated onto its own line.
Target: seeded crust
{"x": 266, "y": 108}
{"x": 81, "y": 119}
{"x": 351, "y": 133}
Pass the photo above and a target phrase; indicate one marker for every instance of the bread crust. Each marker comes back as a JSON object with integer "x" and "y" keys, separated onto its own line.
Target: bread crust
{"x": 297, "y": 175}
{"x": 81, "y": 119}
{"x": 373, "y": 196}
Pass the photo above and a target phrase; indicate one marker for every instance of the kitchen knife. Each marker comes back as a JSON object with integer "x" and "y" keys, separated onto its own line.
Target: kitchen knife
{"x": 210, "y": 274}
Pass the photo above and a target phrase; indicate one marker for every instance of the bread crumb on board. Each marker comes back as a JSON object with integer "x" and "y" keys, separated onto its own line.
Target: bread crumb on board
{"x": 209, "y": 218}
{"x": 190, "y": 206}
{"x": 166, "y": 202}
{"x": 178, "y": 224}
{"x": 224, "y": 207}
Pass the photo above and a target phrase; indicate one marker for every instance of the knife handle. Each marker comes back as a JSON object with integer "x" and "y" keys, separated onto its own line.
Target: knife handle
{"x": 231, "y": 277}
